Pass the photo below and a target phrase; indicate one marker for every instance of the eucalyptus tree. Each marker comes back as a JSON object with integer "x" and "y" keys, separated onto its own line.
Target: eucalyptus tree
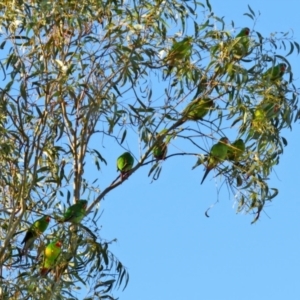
{"x": 134, "y": 76}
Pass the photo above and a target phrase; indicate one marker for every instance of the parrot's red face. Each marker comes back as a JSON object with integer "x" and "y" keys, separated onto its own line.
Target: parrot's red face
{"x": 84, "y": 204}
{"x": 283, "y": 67}
{"x": 224, "y": 140}
{"x": 48, "y": 219}
{"x": 58, "y": 244}
{"x": 247, "y": 31}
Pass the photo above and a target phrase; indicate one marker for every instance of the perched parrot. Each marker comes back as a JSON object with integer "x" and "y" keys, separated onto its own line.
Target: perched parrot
{"x": 263, "y": 114}
{"x": 275, "y": 72}
{"x": 34, "y": 231}
{"x": 237, "y": 47}
{"x": 51, "y": 253}
{"x": 244, "y": 32}
{"x": 198, "y": 109}
{"x": 236, "y": 150}
{"x": 259, "y": 114}
{"x": 217, "y": 154}
{"x": 124, "y": 164}
{"x": 160, "y": 151}
{"x": 269, "y": 107}
{"x": 270, "y": 110}
{"x": 195, "y": 110}
{"x": 241, "y": 44}
{"x": 180, "y": 52}
{"x": 75, "y": 213}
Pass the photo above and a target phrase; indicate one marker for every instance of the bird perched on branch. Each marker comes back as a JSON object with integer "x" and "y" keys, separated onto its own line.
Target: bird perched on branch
{"x": 236, "y": 150}
{"x": 75, "y": 213}
{"x": 124, "y": 164}
{"x": 34, "y": 231}
{"x": 217, "y": 154}
{"x": 51, "y": 253}
{"x": 275, "y": 72}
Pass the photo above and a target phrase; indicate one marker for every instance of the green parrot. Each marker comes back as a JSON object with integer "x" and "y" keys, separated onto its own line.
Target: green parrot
{"x": 34, "y": 231}
{"x": 267, "y": 111}
{"x": 259, "y": 114}
{"x": 244, "y": 32}
{"x": 198, "y": 109}
{"x": 160, "y": 150}
{"x": 264, "y": 112}
{"x": 236, "y": 150}
{"x": 75, "y": 213}
{"x": 124, "y": 164}
{"x": 275, "y": 72}
{"x": 180, "y": 52}
{"x": 269, "y": 107}
{"x": 51, "y": 253}
{"x": 195, "y": 110}
{"x": 241, "y": 44}
{"x": 217, "y": 154}
{"x": 161, "y": 141}
{"x": 237, "y": 47}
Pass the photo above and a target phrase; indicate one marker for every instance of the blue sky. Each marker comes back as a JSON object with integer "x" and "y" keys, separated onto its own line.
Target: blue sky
{"x": 172, "y": 251}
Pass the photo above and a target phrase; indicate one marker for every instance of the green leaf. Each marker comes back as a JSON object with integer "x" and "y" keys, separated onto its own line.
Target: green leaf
{"x": 123, "y": 136}
{"x": 284, "y": 141}
{"x": 100, "y": 156}
{"x": 208, "y": 5}
{"x": 297, "y": 46}
{"x": 291, "y": 49}
{"x": 23, "y": 91}
{"x": 252, "y": 12}
{"x": 154, "y": 167}
{"x": 248, "y": 15}
{"x": 43, "y": 169}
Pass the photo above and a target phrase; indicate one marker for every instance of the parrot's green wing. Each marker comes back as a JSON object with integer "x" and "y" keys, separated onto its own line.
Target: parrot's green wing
{"x": 161, "y": 141}
{"x": 235, "y": 48}
{"x": 125, "y": 162}
{"x": 75, "y": 213}
{"x": 217, "y": 154}
{"x": 198, "y": 109}
{"x": 264, "y": 113}
{"x": 240, "y": 46}
{"x": 34, "y": 231}
{"x": 179, "y": 53}
{"x": 181, "y": 50}
{"x": 236, "y": 150}
{"x": 160, "y": 150}
{"x": 275, "y": 72}
{"x": 51, "y": 253}
{"x": 268, "y": 110}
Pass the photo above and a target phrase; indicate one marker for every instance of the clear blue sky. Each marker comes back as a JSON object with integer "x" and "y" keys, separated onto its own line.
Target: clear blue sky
{"x": 173, "y": 251}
